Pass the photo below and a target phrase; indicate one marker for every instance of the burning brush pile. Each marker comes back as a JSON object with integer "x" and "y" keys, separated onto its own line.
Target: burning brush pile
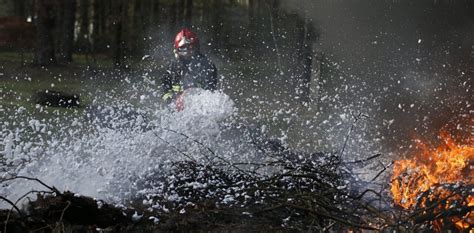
{"x": 436, "y": 186}
{"x": 288, "y": 191}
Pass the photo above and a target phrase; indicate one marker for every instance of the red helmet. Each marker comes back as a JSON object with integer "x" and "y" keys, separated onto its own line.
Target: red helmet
{"x": 186, "y": 38}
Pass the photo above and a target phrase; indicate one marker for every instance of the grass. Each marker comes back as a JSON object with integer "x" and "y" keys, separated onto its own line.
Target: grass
{"x": 257, "y": 89}
{"x": 20, "y": 79}
{"x": 17, "y": 86}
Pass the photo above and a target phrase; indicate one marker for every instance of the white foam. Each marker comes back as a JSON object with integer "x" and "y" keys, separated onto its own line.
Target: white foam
{"x": 107, "y": 163}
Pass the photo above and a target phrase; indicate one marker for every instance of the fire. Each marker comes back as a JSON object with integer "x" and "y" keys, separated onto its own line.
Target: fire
{"x": 432, "y": 175}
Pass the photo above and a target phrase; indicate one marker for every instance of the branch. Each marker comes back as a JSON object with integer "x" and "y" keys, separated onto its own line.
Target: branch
{"x": 356, "y": 119}
{"x": 64, "y": 210}
{"x": 33, "y": 179}
{"x": 364, "y": 160}
{"x": 12, "y": 204}
{"x": 175, "y": 148}
{"x": 206, "y": 147}
{"x": 337, "y": 219}
{"x": 382, "y": 171}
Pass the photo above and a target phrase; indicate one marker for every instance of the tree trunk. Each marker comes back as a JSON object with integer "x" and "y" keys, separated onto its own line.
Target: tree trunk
{"x": 252, "y": 17}
{"x": 103, "y": 9}
{"x": 173, "y": 18}
{"x": 97, "y": 18}
{"x": 131, "y": 32}
{"x": 274, "y": 16}
{"x": 180, "y": 13}
{"x": 217, "y": 25}
{"x": 251, "y": 11}
{"x": 316, "y": 76}
{"x": 83, "y": 36}
{"x": 154, "y": 15}
{"x": 260, "y": 25}
{"x": 118, "y": 31}
{"x": 20, "y": 8}
{"x": 66, "y": 35}
{"x": 96, "y": 23}
{"x": 45, "y": 26}
{"x": 152, "y": 11}
{"x": 306, "y": 37}
{"x": 470, "y": 8}
{"x": 145, "y": 11}
{"x": 188, "y": 13}
{"x": 32, "y": 11}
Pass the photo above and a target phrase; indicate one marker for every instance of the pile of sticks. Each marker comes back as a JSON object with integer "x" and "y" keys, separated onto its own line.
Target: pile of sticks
{"x": 295, "y": 192}
{"x": 287, "y": 192}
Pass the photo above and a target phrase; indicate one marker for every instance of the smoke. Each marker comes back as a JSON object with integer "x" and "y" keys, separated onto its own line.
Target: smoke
{"x": 406, "y": 63}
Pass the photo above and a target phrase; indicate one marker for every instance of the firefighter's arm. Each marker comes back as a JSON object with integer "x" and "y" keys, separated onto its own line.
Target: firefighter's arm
{"x": 169, "y": 88}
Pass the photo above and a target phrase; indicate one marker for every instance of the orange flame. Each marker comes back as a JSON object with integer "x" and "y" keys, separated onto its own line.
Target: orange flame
{"x": 449, "y": 163}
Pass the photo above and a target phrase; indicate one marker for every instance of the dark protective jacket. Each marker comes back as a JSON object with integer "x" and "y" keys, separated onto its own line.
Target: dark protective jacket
{"x": 198, "y": 71}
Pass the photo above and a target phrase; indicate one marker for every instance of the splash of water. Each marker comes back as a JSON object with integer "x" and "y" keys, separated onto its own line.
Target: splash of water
{"x": 107, "y": 155}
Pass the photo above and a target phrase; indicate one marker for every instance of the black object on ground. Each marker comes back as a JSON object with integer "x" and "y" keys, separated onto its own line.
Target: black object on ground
{"x": 56, "y": 99}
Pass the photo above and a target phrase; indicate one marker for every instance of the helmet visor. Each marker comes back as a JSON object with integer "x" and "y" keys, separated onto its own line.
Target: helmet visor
{"x": 184, "y": 50}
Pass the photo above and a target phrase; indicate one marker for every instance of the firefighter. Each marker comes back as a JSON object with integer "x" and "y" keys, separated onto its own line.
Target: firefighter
{"x": 190, "y": 69}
